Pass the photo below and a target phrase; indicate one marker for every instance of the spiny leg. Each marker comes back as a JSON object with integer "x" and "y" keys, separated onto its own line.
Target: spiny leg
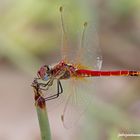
{"x": 39, "y": 83}
{"x": 45, "y": 86}
{"x": 59, "y": 91}
{"x": 60, "y": 87}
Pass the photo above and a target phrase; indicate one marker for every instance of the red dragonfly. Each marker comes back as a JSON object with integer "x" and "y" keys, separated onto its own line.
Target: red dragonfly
{"x": 73, "y": 71}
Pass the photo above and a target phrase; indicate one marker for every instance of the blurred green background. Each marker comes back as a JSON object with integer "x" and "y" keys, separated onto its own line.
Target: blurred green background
{"x": 30, "y": 35}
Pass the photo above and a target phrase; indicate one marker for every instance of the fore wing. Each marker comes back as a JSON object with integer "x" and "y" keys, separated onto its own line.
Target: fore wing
{"x": 89, "y": 53}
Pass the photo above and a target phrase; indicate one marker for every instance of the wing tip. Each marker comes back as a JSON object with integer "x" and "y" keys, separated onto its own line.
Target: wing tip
{"x": 61, "y": 8}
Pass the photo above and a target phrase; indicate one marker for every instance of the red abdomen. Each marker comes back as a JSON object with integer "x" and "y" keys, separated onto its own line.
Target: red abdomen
{"x": 90, "y": 73}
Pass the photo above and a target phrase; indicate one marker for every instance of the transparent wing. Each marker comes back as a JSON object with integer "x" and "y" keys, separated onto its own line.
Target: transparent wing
{"x": 66, "y": 51}
{"x": 64, "y": 40}
{"x": 77, "y": 101}
{"x": 89, "y": 52}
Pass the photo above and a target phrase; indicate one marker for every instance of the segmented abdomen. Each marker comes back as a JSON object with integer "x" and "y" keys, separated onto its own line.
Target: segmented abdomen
{"x": 90, "y": 73}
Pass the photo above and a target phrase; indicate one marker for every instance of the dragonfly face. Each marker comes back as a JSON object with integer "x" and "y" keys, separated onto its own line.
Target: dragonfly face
{"x": 44, "y": 73}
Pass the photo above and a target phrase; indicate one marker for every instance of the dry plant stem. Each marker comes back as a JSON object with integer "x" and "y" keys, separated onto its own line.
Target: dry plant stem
{"x": 42, "y": 114}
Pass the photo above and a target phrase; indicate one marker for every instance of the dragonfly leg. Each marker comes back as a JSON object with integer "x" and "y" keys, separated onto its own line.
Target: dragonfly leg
{"x": 59, "y": 85}
{"x": 39, "y": 83}
{"x": 45, "y": 86}
{"x": 59, "y": 91}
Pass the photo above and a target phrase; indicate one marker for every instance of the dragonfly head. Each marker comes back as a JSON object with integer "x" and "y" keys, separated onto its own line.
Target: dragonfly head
{"x": 44, "y": 73}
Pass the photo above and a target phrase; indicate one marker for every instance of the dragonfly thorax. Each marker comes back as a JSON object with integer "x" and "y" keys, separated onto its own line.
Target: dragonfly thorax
{"x": 63, "y": 70}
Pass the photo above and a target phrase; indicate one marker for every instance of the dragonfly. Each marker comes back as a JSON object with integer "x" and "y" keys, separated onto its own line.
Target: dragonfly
{"x": 75, "y": 71}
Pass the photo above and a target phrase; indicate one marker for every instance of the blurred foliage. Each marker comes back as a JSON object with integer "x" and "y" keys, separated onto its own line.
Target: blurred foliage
{"x": 32, "y": 27}
{"x": 124, "y": 7}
